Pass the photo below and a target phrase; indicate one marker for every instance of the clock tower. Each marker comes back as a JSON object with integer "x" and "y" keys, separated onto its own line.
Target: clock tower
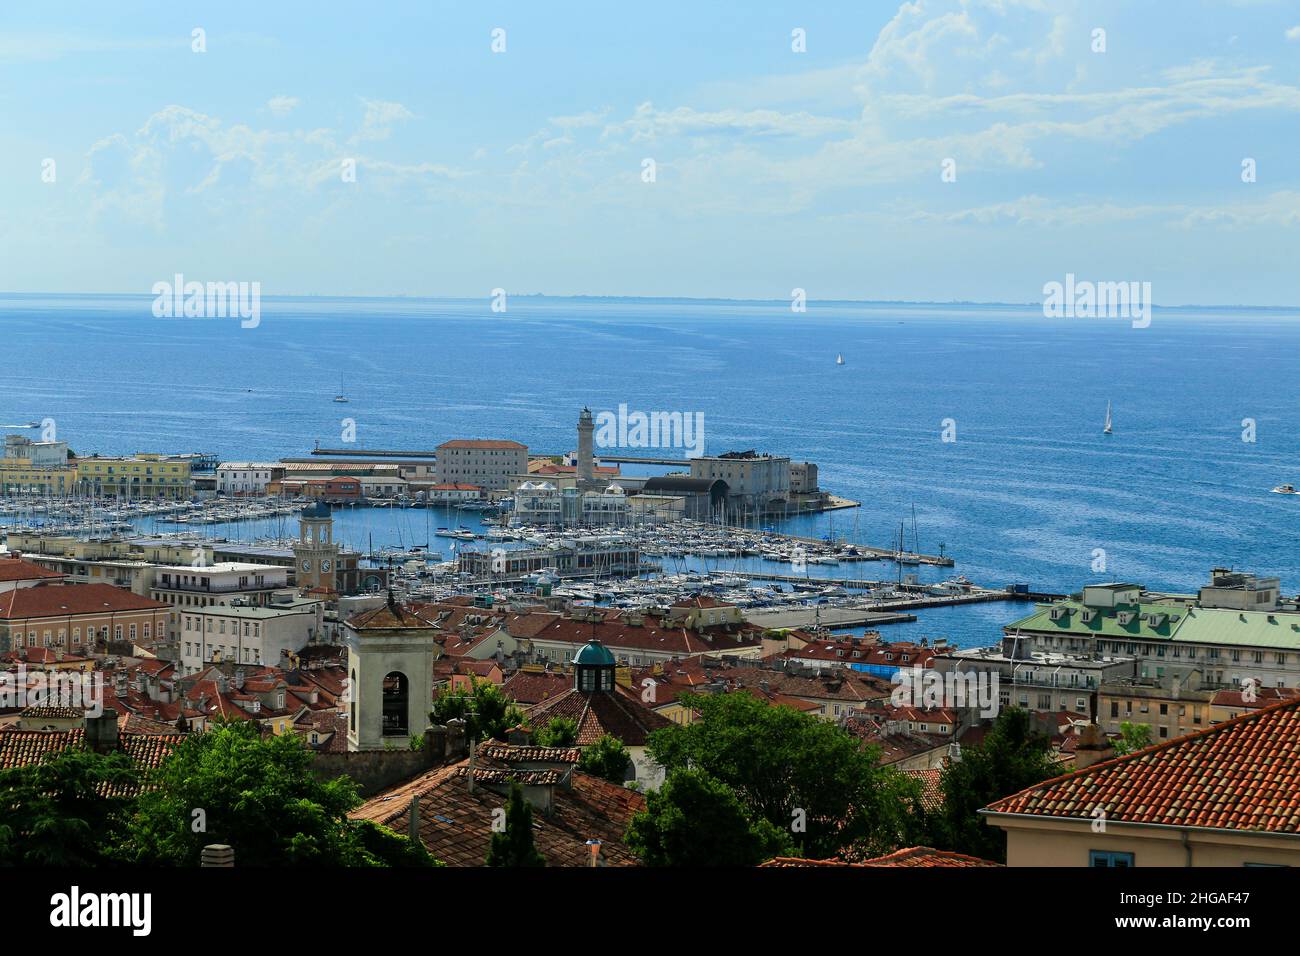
{"x": 315, "y": 555}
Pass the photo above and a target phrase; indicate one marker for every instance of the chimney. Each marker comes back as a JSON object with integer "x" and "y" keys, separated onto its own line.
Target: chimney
{"x": 101, "y": 731}
{"x": 413, "y": 819}
{"x": 217, "y": 854}
{"x": 1093, "y": 747}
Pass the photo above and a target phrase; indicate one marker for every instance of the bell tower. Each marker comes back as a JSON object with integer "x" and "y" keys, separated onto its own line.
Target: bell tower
{"x": 391, "y": 650}
{"x": 315, "y": 555}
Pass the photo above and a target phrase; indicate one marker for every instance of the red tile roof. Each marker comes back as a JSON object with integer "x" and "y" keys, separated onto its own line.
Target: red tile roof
{"x": 16, "y": 569}
{"x": 456, "y": 824}
{"x": 1242, "y": 774}
{"x": 596, "y": 713}
{"x": 60, "y": 600}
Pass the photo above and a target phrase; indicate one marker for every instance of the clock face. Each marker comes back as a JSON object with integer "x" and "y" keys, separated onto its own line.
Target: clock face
{"x": 325, "y": 565}
{"x": 306, "y": 564}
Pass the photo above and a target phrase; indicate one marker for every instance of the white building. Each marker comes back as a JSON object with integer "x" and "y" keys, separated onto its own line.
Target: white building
{"x": 215, "y": 584}
{"x": 542, "y": 503}
{"x": 247, "y": 477}
{"x": 243, "y": 634}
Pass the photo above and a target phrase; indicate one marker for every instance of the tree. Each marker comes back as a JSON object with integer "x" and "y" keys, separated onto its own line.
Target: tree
{"x": 486, "y": 710}
{"x": 513, "y": 846}
{"x": 803, "y": 775}
{"x": 1132, "y": 737}
{"x": 1011, "y": 757}
{"x": 258, "y": 794}
{"x": 560, "y": 732}
{"x": 607, "y": 758}
{"x": 57, "y": 812}
{"x": 696, "y": 820}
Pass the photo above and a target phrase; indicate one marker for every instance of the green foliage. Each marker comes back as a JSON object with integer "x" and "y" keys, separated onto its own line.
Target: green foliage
{"x": 804, "y": 776}
{"x": 514, "y": 845}
{"x": 560, "y": 732}
{"x": 487, "y": 711}
{"x": 52, "y": 814}
{"x": 1132, "y": 737}
{"x": 389, "y": 848}
{"x": 607, "y": 758}
{"x": 1011, "y": 757}
{"x": 257, "y": 794}
{"x": 695, "y": 820}
{"x": 417, "y": 742}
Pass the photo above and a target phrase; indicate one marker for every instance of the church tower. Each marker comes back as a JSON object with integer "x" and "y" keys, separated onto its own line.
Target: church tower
{"x": 586, "y": 449}
{"x": 593, "y": 669}
{"x": 391, "y": 650}
{"x": 315, "y": 555}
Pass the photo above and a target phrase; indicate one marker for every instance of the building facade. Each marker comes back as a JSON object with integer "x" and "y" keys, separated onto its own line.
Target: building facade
{"x": 143, "y": 476}
{"x": 488, "y": 463}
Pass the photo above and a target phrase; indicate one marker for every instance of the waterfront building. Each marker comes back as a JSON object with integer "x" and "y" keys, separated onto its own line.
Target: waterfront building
{"x": 803, "y": 478}
{"x": 247, "y": 477}
{"x": 1165, "y": 633}
{"x": 484, "y": 462}
{"x": 1169, "y": 706}
{"x": 141, "y": 476}
{"x": 542, "y": 503}
{"x": 757, "y": 480}
{"x": 247, "y": 634}
{"x": 703, "y": 499}
{"x": 68, "y": 618}
{"x": 587, "y": 555}
{"x": 1226, "y": 795}
{"x": 37, "y": 468}
{"x": 452, "y": 492}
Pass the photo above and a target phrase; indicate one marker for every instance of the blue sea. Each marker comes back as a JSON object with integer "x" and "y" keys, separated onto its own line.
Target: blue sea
{"x": 1030, "y": 491}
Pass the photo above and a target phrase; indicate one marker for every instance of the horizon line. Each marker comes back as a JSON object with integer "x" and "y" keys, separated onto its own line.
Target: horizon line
{"x": 406, "y": 297}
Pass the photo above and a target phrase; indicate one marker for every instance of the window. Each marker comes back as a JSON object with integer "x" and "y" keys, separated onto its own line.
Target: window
{"x": 1107, "y": 858}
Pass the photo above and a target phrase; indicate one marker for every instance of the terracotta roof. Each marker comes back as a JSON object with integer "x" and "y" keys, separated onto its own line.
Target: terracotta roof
{"x": 515, "y": 754}
{"x": 481, "y": 443}
{"x": 60, "y": 600}
{"x": 456, "y": 825}
{"x": 16, "y": 569}
{"x": 528, "y": 688}
{"x": 400, "y": 616}
{"x": 19, "y": 748}
{"x": 1242, "y": 774}
{"x": 655, "y": 634}
{"x": 596, "y": 713}
{"x": 931, "y": 782}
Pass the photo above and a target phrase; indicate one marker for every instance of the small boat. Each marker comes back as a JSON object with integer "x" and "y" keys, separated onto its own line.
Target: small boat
{"x": 340, "y": 397}
{"x": 1285, "y": 490}
{"x": 1106, "y": 430}
{"x": 839, "y": 359}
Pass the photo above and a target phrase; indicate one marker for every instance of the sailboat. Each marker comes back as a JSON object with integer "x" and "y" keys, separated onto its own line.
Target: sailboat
{"x": 1107, "y": 429}
{"x": 839, "y": 359}
{"x": 340, "y": 397}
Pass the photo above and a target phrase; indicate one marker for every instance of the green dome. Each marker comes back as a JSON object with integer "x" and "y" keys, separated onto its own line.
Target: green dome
{"x": 594, "y": 653}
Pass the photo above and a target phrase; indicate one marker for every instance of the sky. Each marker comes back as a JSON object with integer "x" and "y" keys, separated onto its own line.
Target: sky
{"x": 934, "y": 150}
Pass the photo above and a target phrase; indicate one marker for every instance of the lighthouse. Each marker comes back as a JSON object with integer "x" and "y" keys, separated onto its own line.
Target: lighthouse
{"x": 586, "y": 450}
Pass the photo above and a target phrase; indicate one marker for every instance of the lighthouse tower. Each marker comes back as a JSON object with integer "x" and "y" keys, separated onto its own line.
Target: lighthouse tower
{"x": 586, "y": 449}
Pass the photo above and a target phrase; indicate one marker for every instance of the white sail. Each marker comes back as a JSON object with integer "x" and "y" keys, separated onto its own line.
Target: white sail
{"x": 1107, "y": 429}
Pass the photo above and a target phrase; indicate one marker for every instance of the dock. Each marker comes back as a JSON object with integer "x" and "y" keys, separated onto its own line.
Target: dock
{"x": 832, "y": 618}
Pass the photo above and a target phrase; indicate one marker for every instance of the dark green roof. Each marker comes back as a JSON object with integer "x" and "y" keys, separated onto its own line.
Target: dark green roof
{"x": 594, "y": 653}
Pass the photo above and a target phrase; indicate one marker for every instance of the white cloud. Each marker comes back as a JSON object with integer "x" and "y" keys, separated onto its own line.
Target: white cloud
{"x": 380, "y": 118}
{"x": 1293, "y": 34}
{"x": 282, "y": 105}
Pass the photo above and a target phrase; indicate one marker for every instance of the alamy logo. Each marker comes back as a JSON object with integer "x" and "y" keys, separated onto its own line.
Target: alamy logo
{"x": 74, "y": 908}
{"x": 83, "y": 692}
{"x": 1098, "y": 300}
{"x": 624, "y": 429}
{"x": 214, "y": 300}
{"x": 929, "y": 689}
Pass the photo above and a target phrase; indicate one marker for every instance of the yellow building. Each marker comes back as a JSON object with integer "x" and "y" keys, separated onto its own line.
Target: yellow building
{"x": 19, "y": 476}
{"x": 143, "y": 476}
